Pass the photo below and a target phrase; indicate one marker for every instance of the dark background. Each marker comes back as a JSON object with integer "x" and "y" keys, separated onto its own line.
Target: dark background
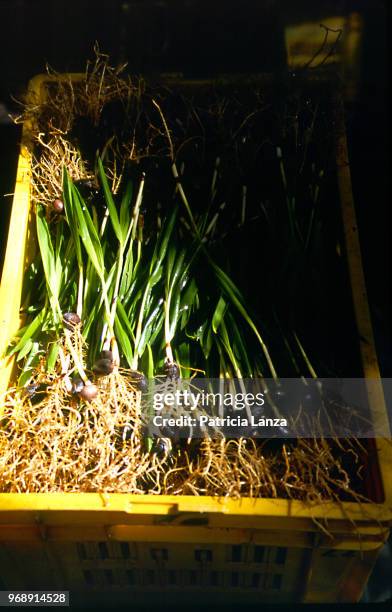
{"x": 205, "y": 38}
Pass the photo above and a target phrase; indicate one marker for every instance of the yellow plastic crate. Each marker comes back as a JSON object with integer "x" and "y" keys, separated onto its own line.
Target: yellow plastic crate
{"x": 307, "y": 45}
{"x": 183, "y": 548}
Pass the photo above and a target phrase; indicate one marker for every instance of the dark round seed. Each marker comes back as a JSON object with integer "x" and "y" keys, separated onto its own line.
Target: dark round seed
{"x": 71, "y": 319}
{"x": 103, "y": 367}
{"x": 88, "y": 392}
{"x": 142, "y": 383}
{"x": 77, "y": 384}
{"x": 172, "y": 370}
{"x": 139, "y": 380}
{"x": 36, "y": 392}
{"x": 58, "y": 206}
{"x": 162, "y": 446}
{"x": 31, "y": 389}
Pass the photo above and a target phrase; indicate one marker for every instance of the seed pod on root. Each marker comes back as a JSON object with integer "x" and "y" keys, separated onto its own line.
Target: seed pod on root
{"x": 36, "y": 392}
{"x": 88, "y": 392}
{"x": 171, "y": 370}
{"x": 139, "y": 380}
{"x": 71, "y": 320}
{"x": 142, "y": 383}
{"x": 77, "y": 384}
{"x": 162, "y": 447}
{"x": 58, "y": 206}
{"x": 103, "y": 367}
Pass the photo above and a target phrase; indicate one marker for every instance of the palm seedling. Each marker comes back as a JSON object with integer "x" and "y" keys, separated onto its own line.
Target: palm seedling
{"x": 121, "y": 291}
